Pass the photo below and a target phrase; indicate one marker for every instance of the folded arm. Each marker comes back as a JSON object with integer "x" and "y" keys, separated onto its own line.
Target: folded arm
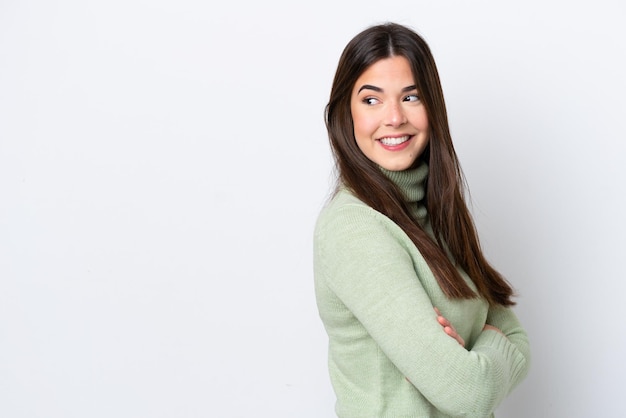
{"x": 372, "y": 272}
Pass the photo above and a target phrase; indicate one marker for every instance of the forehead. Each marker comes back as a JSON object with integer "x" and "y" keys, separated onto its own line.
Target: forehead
{"x": 392, "y": 70}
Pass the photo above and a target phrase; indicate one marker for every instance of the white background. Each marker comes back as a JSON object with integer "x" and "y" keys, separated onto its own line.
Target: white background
{"x": 162, "y": 164}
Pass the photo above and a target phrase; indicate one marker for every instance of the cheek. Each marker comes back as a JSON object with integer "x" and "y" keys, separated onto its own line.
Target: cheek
{"x": 362, "y": 125}
{"x": 420, "y": 120}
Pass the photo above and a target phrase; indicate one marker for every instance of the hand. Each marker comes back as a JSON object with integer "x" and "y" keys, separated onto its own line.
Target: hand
{"x": 449, "y": 329}
{"x": 487, "y": 326}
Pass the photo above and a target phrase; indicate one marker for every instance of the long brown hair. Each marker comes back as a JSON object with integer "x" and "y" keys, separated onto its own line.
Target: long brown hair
{"x": 451, "y": 221}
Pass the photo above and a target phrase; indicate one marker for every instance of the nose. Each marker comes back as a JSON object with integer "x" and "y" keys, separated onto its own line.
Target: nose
{"x": 395, "y": 116}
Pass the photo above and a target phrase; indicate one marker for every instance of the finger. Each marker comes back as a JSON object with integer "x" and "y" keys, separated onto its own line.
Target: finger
{"x": 452, "y": 333}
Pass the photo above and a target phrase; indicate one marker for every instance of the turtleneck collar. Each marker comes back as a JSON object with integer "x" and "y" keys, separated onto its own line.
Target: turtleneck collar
{"x": 412, "y": 184}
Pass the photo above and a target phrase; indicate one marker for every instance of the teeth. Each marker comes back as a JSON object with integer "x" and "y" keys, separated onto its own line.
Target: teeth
{"x": 394, "y": 141}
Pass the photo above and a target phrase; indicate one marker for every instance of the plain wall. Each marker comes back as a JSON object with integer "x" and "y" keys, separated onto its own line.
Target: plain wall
{"x": 162, "y": 164}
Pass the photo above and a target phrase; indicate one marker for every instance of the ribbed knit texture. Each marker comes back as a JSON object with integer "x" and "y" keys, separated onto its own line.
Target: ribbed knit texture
{"x": 388, "y": 356}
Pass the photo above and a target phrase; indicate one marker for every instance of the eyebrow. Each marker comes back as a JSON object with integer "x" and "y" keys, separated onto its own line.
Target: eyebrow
{"x": 379, "y": 90}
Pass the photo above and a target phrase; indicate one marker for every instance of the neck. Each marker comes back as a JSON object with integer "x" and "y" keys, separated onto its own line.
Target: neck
{"x": 412, "y": 184}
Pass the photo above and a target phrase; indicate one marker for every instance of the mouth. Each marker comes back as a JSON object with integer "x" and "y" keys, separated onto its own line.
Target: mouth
{"x": 394, "y": 141}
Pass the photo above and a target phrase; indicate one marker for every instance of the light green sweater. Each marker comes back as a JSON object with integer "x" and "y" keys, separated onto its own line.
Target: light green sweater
{"x": 388, "y": 356}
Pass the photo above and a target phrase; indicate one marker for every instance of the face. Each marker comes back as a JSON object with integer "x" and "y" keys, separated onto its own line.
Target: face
{"x": 390, "y": 122}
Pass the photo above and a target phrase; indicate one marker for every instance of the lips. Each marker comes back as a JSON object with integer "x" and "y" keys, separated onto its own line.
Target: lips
{"x": 394, "y": 141}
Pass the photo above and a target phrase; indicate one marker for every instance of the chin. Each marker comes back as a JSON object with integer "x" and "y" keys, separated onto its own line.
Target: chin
{"x": 397, "y": 166}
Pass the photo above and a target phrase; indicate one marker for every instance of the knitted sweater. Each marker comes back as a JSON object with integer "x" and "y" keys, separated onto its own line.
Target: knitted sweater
{"x": 388, "y": 356}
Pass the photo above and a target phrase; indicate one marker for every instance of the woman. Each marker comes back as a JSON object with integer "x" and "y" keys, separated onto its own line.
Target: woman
{"x": 419, "y": 323}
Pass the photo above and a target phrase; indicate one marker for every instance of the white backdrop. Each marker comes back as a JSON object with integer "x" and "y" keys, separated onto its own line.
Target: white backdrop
{"x": 162, "y": 164}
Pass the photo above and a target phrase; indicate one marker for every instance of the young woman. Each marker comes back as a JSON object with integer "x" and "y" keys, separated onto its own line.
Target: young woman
{"x": 419, "y": 323}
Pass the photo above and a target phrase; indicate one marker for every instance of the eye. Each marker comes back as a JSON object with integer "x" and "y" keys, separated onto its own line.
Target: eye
{"x": 370, "y": 101}
{"x": 412, "y": 98}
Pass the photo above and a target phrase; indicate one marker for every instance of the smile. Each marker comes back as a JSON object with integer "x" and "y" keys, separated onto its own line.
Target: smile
{"x": 390, "y": 142}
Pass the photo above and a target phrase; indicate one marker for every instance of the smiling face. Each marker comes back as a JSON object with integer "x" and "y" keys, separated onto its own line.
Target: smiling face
{"x": 390, "y": 122}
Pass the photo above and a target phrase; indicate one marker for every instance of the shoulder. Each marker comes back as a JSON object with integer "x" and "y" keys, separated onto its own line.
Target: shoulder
{"x": 346, "y": 210}
{"x": 352, "y": 240}
{"x": 347, "y": 224}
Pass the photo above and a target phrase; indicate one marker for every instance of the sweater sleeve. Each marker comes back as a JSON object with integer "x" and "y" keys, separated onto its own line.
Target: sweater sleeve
{"x": 370, "y": 270}
{"x": 505, "y": 319}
